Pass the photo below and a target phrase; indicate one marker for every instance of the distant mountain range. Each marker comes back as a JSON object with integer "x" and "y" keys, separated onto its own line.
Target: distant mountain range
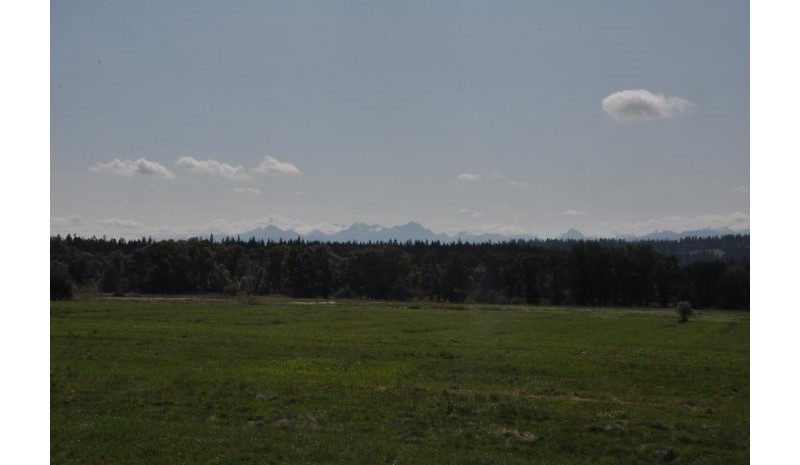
{"x": 675, "y": 236}
{"x": 361, "y": 232}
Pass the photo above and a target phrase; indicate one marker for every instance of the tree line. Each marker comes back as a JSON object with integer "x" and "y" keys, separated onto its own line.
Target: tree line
{"x": 709, "y": 272}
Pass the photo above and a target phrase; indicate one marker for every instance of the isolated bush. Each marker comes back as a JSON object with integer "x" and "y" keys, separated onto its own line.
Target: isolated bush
{"x": 232, "y": 288}
{"x": 684, "y": 310}
{"x": 345, "y": 293}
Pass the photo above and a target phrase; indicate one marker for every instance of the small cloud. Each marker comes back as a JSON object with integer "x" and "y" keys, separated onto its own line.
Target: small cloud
{"x": 129, "y": 168}
{"x": 272, "y": 165}
{"x": 572, "y": 213}
{"x": 517, "y": 184}
{"x": 468, "y": 177}
{"x": 247, "y": 190}
{"x": 299, "y": 193}
{"x": 213, "y": 167}
{"x": 497, "y": 176}
{"x": 634, "y": 105}
{"x": 743, "y": 189}
{"x": 471, "y": 213}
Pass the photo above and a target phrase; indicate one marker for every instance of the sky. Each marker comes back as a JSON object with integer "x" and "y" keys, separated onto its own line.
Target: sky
{"x": 189, "y": 118}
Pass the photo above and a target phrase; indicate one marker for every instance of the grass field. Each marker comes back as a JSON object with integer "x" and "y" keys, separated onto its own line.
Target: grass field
{"x": 235, "y": 382}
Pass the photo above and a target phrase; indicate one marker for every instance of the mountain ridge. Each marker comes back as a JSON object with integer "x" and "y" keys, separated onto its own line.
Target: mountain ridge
{"x": 413, "y": 231}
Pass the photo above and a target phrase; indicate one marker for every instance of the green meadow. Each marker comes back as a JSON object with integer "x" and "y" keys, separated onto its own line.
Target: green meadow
{"x": 275, "y": 381}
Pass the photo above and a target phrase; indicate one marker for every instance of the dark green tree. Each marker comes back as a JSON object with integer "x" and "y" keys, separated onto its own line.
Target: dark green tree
{"x": 60, "y": 281}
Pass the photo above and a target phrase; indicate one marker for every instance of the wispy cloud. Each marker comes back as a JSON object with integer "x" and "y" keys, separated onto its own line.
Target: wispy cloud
{"x": 74, "y": 224}
{"x": 247, "y": 190}
{"x": 734, "y": 221}
{"x": 129, "y": 168}
{"x": 511, "y": 182}
{"x": 468, "y": 177}
{"x": 121, "y": 224}
{"x": 572, "y": 213}
{"x": 272, "y": 165}
{"x": 743, "y": 189}
{"x": 74, "y": 220}
{"x": 213, "y": 167}
{"x": 470, "y": 213}
{"x": 634, "y": 105}
{"x": 129, "y": 228}
{"x": 490, "y": 228}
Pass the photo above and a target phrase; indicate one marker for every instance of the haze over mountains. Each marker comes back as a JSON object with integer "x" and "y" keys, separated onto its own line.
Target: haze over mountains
{"x": 412, "y": 231}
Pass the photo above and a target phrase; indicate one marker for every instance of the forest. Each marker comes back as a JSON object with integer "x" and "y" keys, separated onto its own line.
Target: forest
{"x": 708, "y": 272}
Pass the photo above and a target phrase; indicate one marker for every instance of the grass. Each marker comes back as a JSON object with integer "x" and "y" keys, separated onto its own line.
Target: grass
{"x": 260, "y": 382}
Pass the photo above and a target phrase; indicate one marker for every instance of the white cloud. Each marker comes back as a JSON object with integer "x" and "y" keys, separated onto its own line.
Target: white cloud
{"x": 517, "y": 184}
{"x": 213, "y": 167}
{"x": 634, "y": 105}
{"x": 130, "y": 168}
{"x": 271, "y": 165}
{"x": 247, "y": 190}
{"x": 743, "y": 189}
{"x": 468, "y": 177}
{"x": 572, "y": 213}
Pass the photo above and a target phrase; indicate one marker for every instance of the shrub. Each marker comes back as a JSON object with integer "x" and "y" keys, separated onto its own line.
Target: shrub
{"x": 684, "y": 310}
{"x": 232, "y": 288}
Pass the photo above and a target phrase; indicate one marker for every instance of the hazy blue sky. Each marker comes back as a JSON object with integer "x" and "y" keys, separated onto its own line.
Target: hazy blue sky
{"x": 526, "y": 117}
